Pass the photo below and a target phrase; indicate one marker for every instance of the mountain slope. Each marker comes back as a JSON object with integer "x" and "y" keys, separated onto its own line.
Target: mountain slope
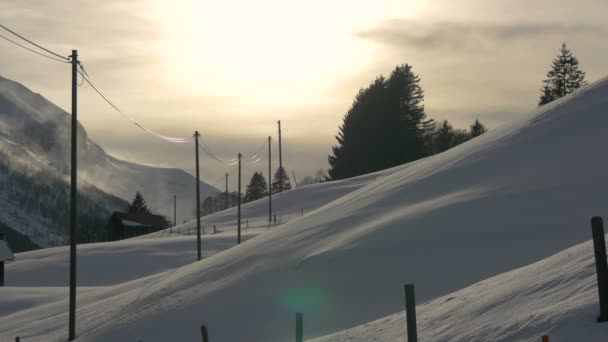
{"x": 503, "y": 200}
{"x": 34, "y": 134}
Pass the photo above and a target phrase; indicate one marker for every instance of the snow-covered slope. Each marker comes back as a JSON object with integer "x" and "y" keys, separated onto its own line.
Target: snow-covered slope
{"x": 556, "y": 297}
{"x": 34, "y": 134}
{"x": 511, "y": 197}
{"x": 174, "y": 247}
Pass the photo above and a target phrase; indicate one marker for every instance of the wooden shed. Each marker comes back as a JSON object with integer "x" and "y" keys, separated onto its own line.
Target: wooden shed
{"x": 127, "y": 225}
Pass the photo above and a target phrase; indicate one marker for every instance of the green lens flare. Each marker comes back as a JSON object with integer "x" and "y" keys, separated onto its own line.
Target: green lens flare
{"x": 302, "y": 299}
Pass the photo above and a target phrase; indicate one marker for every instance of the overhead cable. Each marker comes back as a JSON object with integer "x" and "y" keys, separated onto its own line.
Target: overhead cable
{"x": 87, "y": 79}
{"x": 36, "y": 45}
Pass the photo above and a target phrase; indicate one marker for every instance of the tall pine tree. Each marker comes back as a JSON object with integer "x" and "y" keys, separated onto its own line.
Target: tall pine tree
{"x": 138, "y": 205}
{"x": 563, "y": 78}
{"x": 444, "y": 137}
{"x": 384, "y": 127}
{"x": 257, "y": 187}
{"x": 280, "y": 177}
{"x": 477, "y": 129}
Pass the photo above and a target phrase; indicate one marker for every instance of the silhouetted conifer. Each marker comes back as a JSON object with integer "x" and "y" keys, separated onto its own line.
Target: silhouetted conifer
{"x": 138, "y": 205}
{"x": 257, "y": 187}
{"x": 384, "y": 127}
{"x": 280, "y": 176}
{"x": 563, "y": 78}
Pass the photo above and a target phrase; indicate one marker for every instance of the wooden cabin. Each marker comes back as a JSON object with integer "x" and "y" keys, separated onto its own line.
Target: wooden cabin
{"x": 127, "y": 225}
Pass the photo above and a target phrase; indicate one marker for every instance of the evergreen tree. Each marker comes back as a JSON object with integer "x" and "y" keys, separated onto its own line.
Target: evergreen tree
{"x": 280, "y": 176}
{"x": 460, "y": 136}
{"x": 384, "y": 126}
{"x": 477, "y": 129}
{"x": 257, "y": 187}
{"x": 444, "y": 137}
{"x": 563, "y": 78}
{"x": 138, "y": 205}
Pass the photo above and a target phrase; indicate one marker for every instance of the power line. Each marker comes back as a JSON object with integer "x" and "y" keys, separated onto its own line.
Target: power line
{"x": 36, "y": 45}
{"x": 255, "y": 157}
{"x": 87, "y": 79}
{"x": 207, "y": 150}
{"x": 31, "y": 50}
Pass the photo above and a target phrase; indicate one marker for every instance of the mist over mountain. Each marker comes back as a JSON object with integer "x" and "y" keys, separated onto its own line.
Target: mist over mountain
{"x": 35, "y": 165}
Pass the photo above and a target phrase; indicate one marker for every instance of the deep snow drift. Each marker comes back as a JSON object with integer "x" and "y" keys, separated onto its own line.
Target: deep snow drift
{"x": 506, "y": 199}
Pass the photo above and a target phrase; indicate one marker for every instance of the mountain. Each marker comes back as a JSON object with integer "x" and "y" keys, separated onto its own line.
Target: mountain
{"x": 516, "y": 195}
{"x": 35, "y": 142}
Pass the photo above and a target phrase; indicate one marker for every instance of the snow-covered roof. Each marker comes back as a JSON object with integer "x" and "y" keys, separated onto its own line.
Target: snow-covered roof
{"x": 128, "y": 223}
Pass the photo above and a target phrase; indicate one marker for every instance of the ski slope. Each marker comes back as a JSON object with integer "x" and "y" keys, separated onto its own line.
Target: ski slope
{"x": 514, "y": 196}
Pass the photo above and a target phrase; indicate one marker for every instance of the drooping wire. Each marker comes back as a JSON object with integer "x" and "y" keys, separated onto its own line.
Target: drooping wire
{"x": 87, "y": 79}
{"x": 207, "y": 150}
{"x": 258, "y": 154}
{"x": 36, "y": 45}
{"x": 32, "y": 50}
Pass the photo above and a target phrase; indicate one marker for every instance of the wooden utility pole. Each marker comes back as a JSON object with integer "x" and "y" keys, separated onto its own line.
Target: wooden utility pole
{"x": 238, "y": 239}
{"x": 269, "y": 180}
{"x": 280, "y": 157}
{"x": 410, "y": 312}
{"x": 599, "y": 247}
{"x": 198, "y": 200}
{"x": 73, "y": 198}
{"x": 174, "y": 210}
{"x": 226, "y": 204}
{"x": 299, "y": 327}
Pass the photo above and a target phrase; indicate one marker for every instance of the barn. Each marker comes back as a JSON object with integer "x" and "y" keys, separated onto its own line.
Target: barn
{"x": 126, "y": 225}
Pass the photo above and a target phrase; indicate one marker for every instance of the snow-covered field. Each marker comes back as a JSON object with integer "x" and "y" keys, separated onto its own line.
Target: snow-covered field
{"x": 512, "y": 197}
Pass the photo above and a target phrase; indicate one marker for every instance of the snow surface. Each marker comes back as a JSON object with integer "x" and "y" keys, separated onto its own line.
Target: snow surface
{"x": 557, "y": 297}
{"x": 509, "y": 198}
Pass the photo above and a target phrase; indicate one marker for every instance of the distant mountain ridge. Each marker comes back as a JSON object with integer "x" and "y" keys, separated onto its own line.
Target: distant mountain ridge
{"x": 35, "y": 140}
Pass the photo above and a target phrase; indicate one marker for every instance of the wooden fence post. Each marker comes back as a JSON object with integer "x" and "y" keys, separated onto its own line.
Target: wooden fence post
{"x": 599, "y": 246}
{"x": 299, "y": 327}
{"x": 545, "y": 338}
{"x": 204, "y": 333}
{"x": 410, "y": 312}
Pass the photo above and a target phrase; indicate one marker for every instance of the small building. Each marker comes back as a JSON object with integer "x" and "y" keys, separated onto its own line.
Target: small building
{"x": 127, "y": 225}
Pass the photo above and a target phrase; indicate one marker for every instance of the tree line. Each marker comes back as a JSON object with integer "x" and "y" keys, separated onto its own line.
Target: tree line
{"x": 256, "y": 189}
{"x": 387, "y": 125}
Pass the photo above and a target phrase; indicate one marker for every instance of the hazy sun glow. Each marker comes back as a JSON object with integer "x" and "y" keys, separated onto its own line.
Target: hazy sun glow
{"x": 268, "y": 51}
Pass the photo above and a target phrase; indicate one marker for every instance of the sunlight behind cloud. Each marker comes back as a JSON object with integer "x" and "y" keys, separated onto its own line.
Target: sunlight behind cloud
{"x": 268, "y": 51}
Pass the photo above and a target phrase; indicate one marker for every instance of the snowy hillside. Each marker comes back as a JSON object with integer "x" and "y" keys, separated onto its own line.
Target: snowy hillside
{"x": 509, "y": 198}
{"x": 556, "y": 297}
{"x": 34, "y": 134}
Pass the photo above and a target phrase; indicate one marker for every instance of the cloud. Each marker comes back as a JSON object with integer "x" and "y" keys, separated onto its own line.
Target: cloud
{"x": 434, "y": 36}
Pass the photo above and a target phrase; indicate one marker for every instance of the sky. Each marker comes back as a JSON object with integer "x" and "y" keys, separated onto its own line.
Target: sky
{"x": 231, "y": 69}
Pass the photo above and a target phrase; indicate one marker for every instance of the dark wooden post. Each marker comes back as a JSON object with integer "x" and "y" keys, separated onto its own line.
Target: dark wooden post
{"x": 226, "y": 195}
{"x": 204, "y": 333}
{"x": 299, "y": 327}
{"x": 280, "y": 157}
{"x": 1, "y": 273}
{"x": 545, "y": 338}
{"x": 73, "y": 200}
{"x": 410, "y": 311}
{"x": 238, "y": 239}
{"x": 269, "y": 180}
{"x": 17, "y": 339}
{"x": 599, "y": 246}
{"x": 198, "y": 199}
